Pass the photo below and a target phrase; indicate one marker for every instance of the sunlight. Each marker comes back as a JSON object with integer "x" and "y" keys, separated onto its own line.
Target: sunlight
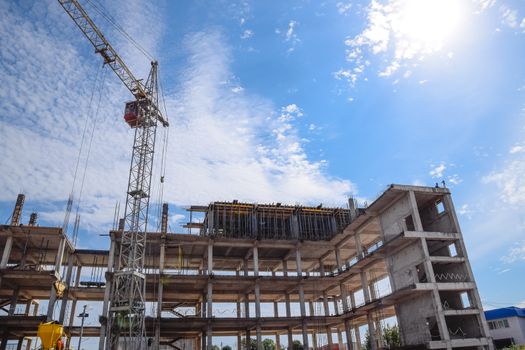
{"x": 426, "y": 25}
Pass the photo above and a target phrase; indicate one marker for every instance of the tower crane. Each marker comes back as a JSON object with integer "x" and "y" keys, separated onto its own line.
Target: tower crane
{"x": 125, "y": 322}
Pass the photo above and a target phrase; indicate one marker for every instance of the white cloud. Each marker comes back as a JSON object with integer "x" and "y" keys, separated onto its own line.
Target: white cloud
{"x": 346, "y": 75}
{"x": 290, "y": 32}
{"x": 391, "y": 69}
{"x": 438, "y": 171}
{"x": 466, "y": 211}
{"x": 224, "y": 144}
{"x": 515, "y": 253}
{"x": 509, "y": 17}
{"x": 404, "y": 32}
{"x": 290, "y": 35}
{"x": 517, "y": 149}
{"x": 343, "y": 8}
{"x": 454, "y": 179}
{"x": 484, "y": 4}
{"x": 510, "y": 181}
{"x": 237, "y": 89}
{"x": 248, "y": 33}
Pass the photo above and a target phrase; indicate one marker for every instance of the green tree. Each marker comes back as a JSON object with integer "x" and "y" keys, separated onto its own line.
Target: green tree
{"x": 296, "y": 345}
{"x": 215, "y": 347}
{"x": 391, "y": 337}
{"x": 253, "y": 344}
{"x": 368, "y": 342}
{"x": 268, "y": 344}
{"x": 226, "y": 347}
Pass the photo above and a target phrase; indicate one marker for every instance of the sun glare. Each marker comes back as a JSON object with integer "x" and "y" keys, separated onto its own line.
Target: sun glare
{"x": 426, "y": 25}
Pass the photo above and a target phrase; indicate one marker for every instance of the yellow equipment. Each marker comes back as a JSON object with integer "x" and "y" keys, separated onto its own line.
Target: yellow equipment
{"x": 50, "y": 333}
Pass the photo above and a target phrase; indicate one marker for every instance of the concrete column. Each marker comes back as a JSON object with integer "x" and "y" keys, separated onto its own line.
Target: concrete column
{"x": 28, "y": 345}
{"x": 329, "y": 338}
{"x": 358, "y": 246}
{"x": 209, "y": 338}
{"x": 20, "y": 343}
{"x": 336, "y": 306}
{"x": 352, "y": 300}
{"x": 60, "y": 255}
{"x": 239, "y": 341}
{"x": 14, "y": 301}
{"x": 255, "y": 261}
{"x": 312, "y": 309}
{"x": 210, "y": 258}
{"x": 290, "y": 339}
{"x": 285, "y": 268}
{"x": 7, "y": 252}
{"x": 371, "y": 331}
{"x": 275, "y": 309}
{"x": 71, "y": 322}
{"x": 325, "y": 304}
{"x": 203, "y": 341}
{"x": 287, "y": 304}
{"x": 344, "y": 297}
{"x": 107, "y": 290}
{"x": 258, "y": 334}
{"x": 321, "y": 268}
{"x": 248, "y": 339}
{"x": 28, "y": 308}
{"x": 415, "y": 211}
{"x": 378, "y": 329}
{"x": 238, "y": 304}
{"x": 3, "y": 344}
{"x": 303, "y": 315}
{"x": 364, "y": 285}
{"x": 51, "y": 304}
{"x": 162, "y": 256}
{"x": 305, "y": 335}
{"x": 66, "y": 292}
{"x": 338, "y": 259}
{"x": 258, "y": 315}
{"x": 340, "y": 339}
{"x": 348, "y": 333}
{"x": 314, "y": 340}
{"x": 371, "y": 288}
{"x": 301, "y": 301}
{"x": 298, "y": 261}
{"x": 247, "y": 305}
{"x": 357, "y": 333}
{"x": 277, "y": 341}
{"x": 209, "y": 299}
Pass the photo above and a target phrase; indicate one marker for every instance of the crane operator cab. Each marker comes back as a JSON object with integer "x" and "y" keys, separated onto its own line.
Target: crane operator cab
{"x": 133, "y": 113}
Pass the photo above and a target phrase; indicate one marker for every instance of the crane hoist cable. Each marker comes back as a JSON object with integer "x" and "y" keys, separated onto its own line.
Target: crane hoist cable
{"x": 69, "y": 205}
{"x": 95, "y": 122}
{"x": 100, "y": 9}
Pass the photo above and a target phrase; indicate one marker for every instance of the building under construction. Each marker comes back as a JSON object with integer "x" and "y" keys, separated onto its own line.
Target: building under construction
{"x": 321, "y": 275}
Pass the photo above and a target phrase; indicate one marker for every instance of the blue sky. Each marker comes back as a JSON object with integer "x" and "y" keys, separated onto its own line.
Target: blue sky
{"x": 298, "y": 101}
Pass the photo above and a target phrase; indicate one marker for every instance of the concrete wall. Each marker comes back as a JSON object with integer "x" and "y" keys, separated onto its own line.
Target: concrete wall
{"x": 403, "y": 265}
{"x": 412, "y": 315}
{"x": 392, "y": 219}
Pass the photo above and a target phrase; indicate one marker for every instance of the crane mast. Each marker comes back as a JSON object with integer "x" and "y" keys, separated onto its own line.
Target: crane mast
{"x": 125, "y": 323}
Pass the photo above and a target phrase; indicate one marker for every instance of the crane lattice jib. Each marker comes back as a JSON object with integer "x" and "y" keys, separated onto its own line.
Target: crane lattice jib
{"x": 109, "y": 55}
